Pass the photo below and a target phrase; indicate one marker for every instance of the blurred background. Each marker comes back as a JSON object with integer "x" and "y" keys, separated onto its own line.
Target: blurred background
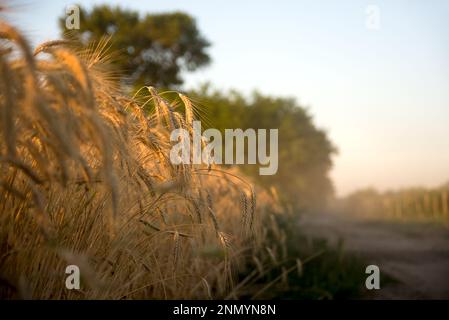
{"x": 378, "y": 91}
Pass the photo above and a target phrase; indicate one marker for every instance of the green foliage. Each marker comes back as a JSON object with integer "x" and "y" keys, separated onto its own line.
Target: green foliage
{"x": 304, "y": 150}
{"x": 333, "y": 274}
{"x": 153, "y": 49}
{"x": 327, "y": 271}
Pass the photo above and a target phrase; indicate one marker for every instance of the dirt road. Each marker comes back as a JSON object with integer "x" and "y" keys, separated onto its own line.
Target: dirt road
{"x": 415, "y": 254}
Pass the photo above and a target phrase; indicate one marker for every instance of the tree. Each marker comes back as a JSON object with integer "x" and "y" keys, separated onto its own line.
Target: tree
{"x": 152, "y": 49}
{"x": 305, "y": 151}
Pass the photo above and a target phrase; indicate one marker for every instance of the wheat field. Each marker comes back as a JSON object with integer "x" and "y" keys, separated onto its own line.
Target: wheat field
{"x": 411, "y": 204}
{"x": 86, "y": 179}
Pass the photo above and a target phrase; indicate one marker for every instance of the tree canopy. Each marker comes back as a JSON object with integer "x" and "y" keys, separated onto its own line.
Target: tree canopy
{"x": 305, "y": 151}
{"x": 155, "y": 49}
{"x": 152, "y": 49}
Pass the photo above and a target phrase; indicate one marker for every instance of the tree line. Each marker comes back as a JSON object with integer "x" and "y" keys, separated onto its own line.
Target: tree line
{"x": 156, "y": 49}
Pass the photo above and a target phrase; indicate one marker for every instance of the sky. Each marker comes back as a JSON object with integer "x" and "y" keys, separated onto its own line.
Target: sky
{"x": 374, "y": 74}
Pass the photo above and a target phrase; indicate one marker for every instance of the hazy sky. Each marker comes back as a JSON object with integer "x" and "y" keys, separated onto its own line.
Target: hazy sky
{"x": 382, "y": 95}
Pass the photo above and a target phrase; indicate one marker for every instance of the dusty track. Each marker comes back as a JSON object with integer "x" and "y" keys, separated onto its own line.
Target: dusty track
{"x": 415, "y": 254}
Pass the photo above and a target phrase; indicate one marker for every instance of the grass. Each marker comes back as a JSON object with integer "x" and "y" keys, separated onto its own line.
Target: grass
{"x": 308, "y": 269}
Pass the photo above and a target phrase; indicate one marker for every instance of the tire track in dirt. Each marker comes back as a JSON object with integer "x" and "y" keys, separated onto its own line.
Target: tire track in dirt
{"x": 414, "y": 254}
